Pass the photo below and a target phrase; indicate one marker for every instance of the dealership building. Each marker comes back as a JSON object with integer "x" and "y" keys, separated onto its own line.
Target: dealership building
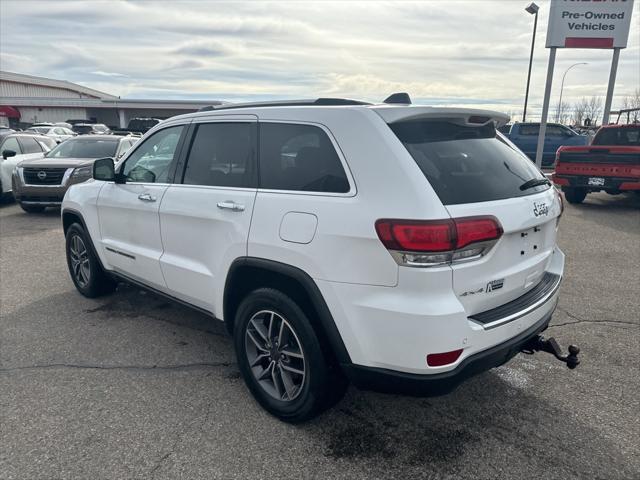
{"x": 25, "y": 99}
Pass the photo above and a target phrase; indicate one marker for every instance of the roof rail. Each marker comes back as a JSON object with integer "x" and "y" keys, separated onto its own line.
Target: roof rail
{"x": 286, "y": 103}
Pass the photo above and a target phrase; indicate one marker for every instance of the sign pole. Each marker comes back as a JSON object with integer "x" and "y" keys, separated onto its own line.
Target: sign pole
{"x": 545, "y": 106}
{"x": 612, "y": 81}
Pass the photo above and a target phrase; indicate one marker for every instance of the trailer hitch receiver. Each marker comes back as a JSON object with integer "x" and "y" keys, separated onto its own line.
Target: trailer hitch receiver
{"x": 550, "y": 345}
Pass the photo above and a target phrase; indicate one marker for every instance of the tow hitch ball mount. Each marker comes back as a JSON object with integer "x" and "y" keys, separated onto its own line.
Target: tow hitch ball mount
{"x": 550, "y": 345}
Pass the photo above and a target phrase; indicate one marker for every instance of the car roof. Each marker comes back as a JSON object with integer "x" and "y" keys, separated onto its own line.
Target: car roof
{"x": 622, "y": 125}
{"x": 112, "y": 138}
{"x": 30, "y": 135}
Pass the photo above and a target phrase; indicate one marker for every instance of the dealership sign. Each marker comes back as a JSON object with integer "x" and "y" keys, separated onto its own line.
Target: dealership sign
{"x": 589, "y": 23}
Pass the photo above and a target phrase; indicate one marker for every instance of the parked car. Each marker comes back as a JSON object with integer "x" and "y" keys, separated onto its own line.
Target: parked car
{"x": 525, "y": 136}
{"x": 75, "y": 121}
{"x": 611, "y": 163}
{"x": 142, "y": 125}
{"x": 4, "y": 131}
{"x": 59, "y": 134}
{"x": 91, "y": 129}
{"x": 42, "y": 182}
{"x": 138, "y": 125}
{"x": 15, "y": 148}
{"x": 404, "y": 248}
{"x": 63, "y": 124}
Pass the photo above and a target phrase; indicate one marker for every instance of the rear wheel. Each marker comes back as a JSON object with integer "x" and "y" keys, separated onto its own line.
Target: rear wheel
{"x": 281, "y": 359}
{"x": 574, "y": 194}
{"x": 31, "y": 208}
{"x": 84, "y": 267}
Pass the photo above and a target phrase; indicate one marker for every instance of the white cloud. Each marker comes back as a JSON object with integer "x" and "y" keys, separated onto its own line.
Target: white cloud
{"x": 462, "y": 52}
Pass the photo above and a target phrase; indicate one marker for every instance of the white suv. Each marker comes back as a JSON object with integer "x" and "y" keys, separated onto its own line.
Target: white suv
{"x": 401, "y": 247}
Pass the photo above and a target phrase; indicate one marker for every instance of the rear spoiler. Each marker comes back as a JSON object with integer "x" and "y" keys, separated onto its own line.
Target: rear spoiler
{"x": 465, "y": 116}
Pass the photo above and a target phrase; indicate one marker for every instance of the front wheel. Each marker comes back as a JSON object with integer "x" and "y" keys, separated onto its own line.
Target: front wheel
{"x": 85, "y": 269}
{"x": 281, "y": 359}
{"x": 574, "y": 195}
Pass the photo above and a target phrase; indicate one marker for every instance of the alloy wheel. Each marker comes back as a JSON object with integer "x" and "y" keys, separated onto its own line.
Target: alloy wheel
{"x": 79, "y": 257}
{"x": 275, "y": 355}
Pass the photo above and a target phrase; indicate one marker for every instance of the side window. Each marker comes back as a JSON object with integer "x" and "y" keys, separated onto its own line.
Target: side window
{"x": 11, "y": 143}
{"x": 530, "y": 129}
{"x": 555, "y": 131}
{"x": 152, "y": 161}
{"x": 29, "y": 145}
{"x": 299, "y": 157}
{"x": 222, "y": 155}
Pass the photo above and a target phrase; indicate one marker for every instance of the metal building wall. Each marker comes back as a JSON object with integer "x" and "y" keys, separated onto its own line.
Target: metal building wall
{"x": 50, "y": 114}
{"x": 15, "y": 89}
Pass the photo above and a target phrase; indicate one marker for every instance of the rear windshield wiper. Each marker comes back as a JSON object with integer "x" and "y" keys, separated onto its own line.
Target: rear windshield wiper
{"x": 534, "y": 182}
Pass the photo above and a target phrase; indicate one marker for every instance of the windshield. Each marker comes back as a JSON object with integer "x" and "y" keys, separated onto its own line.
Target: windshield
{"x": 85, "y": 148}
{"x": 629, "y": 136}
{"x": 467, "y": 164}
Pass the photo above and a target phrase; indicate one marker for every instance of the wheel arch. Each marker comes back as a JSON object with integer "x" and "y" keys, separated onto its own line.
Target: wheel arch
{"x": 249, "y": 273}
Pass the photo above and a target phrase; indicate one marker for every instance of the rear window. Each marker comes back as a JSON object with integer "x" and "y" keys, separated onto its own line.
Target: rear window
{"x": 467, "y": 164}
{"x": 618, "y": 136}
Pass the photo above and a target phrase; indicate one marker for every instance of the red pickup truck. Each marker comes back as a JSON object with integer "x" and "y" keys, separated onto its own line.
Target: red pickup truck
{"x": 610, "y": 163}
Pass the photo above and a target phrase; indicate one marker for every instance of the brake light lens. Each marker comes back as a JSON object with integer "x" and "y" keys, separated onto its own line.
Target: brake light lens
{"x": 473, "y": 230}
{"x": 436, "y": 242}
{"x": 416, "y": 236}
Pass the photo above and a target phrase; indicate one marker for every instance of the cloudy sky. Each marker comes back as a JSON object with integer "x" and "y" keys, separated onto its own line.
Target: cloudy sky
{"x": 451, "y": 52}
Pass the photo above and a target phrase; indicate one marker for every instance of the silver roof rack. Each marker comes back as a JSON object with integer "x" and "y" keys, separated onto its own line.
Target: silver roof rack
{"x": 286, "y": 103}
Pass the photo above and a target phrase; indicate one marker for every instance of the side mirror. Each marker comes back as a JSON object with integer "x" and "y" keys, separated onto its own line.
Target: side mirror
{"x": 104, "y": 169}
{"x": 8, "y": 154}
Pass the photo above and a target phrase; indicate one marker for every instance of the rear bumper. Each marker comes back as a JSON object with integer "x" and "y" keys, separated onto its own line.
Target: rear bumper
{"x": 390, "y": 381}
{"x": 610, "y": 183}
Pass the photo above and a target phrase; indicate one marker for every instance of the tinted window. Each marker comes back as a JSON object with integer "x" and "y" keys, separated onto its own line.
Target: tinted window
{"x": 29, "y": 145}
{"x": 11, "y": 143}
{"x": 151, "y": 162}
{"x": 467, "y": 164}
{"x": 618, "y": 136}
{"x": 85, "y": 148}
{"x": 83, "y": 129}
{"x": 223, "y": 155}
{"x": 556, "y": 131}
{"x": 299, "y": 157}
{"x": 529, "y": 129}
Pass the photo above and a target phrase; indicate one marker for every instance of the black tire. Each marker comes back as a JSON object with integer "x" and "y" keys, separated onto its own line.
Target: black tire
{"x": 32, "y": 208}
{"x": 84, "y": 267}
{"x": 574, "y": 195}
{"x": 320, "y": 387}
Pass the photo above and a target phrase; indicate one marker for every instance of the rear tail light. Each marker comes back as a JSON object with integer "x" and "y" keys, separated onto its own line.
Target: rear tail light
{"x": 421, "y": 243}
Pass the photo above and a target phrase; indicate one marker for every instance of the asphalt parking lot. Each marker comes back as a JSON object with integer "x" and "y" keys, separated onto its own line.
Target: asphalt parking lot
{"x": 134, "y": 386}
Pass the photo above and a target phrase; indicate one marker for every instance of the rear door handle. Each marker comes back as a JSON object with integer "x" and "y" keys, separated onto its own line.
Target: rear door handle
{"x": 231, "y": 205}
{"x": 146, "y": 197}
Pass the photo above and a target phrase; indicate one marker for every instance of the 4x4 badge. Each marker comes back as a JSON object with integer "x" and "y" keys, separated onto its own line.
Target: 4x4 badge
{"x": 540, "y": 209}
